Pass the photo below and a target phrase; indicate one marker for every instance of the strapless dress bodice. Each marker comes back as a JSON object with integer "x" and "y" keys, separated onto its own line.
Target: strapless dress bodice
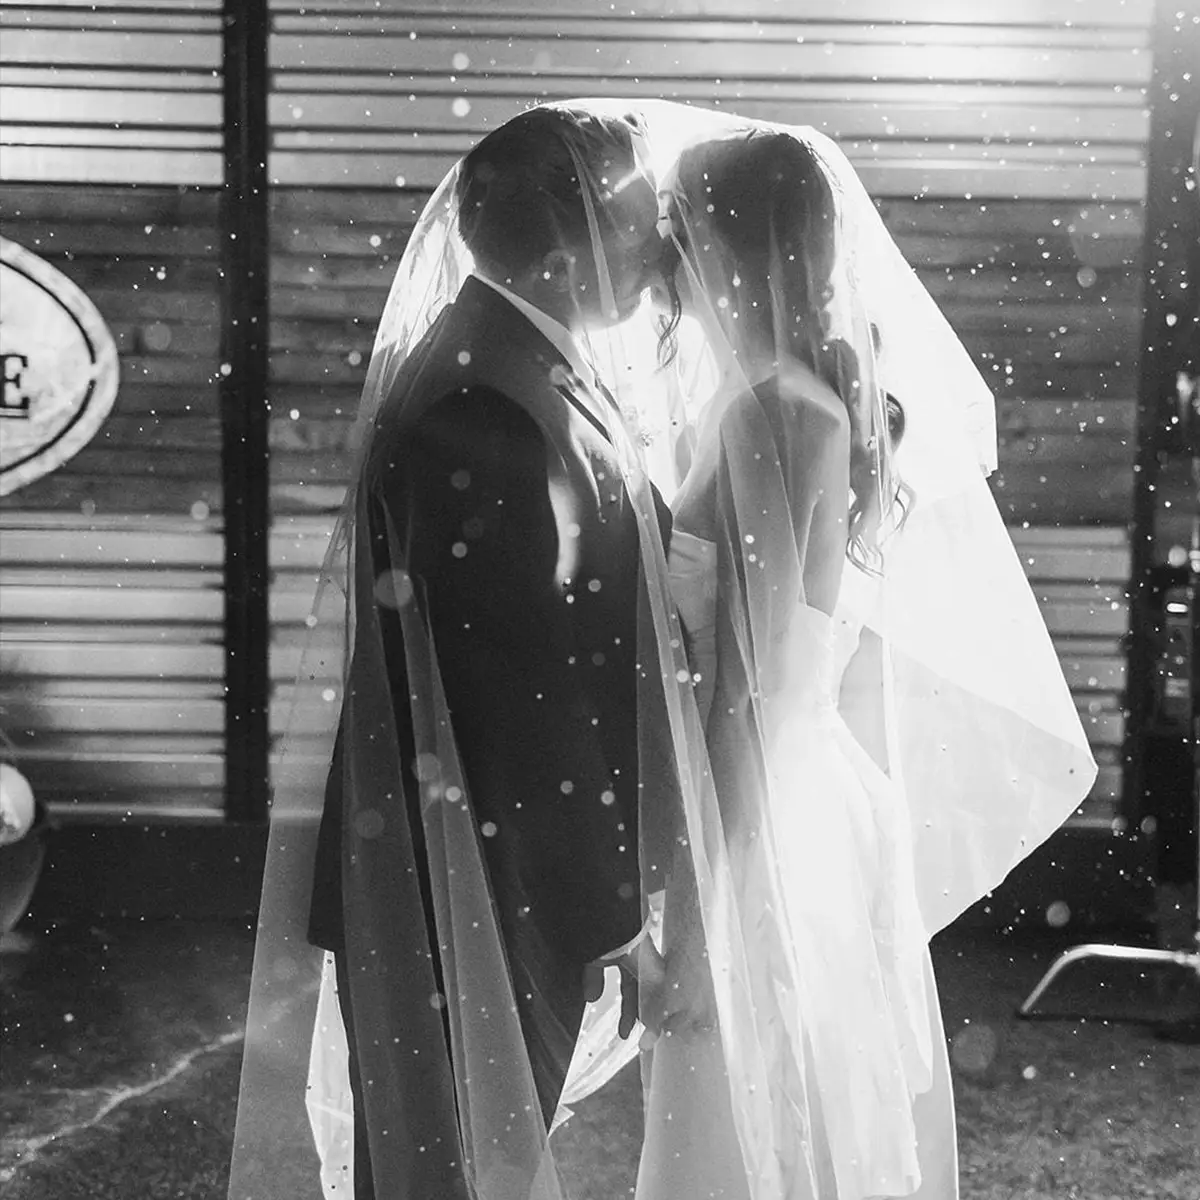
{"x": 807, "y": 670}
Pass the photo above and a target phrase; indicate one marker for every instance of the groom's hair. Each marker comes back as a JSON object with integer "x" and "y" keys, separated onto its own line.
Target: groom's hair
{"x": 519, "y": 193}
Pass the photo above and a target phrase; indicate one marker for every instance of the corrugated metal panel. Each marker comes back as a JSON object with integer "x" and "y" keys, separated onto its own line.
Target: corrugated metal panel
{"x": 111, "y": 663}
{"x": 148, "y": 259}
{"x": 1078, "y": 576}
{"x": 1045, "y": 295}
{"x": 111, "y": 92}
{"x": 928, "y": 98}
{"x": 963, "y": 106}
{"x": 111, "y": 603}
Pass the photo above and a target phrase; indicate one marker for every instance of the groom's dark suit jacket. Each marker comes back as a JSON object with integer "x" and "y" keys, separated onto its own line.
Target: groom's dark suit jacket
{"x": 523, "y": 547}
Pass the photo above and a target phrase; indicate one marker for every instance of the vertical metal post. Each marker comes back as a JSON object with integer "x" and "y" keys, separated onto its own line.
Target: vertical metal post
{"x": 1170, "y": 331}
{"x": 245, "y": 346}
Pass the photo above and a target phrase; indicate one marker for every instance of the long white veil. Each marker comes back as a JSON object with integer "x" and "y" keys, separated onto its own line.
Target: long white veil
{"x": 961, "y": 702}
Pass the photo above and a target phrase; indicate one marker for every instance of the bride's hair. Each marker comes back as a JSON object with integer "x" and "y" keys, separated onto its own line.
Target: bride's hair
{"x": 772, "y": 214}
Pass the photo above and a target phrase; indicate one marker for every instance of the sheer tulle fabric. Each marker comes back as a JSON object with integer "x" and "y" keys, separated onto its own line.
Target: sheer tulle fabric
{"x": 901, "y": 737}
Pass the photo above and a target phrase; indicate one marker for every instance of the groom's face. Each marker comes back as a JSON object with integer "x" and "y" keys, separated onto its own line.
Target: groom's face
{"x": 631, "y": 247}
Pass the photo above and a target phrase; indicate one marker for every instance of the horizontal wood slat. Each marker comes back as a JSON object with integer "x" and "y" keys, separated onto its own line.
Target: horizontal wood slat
{"x": 1046, "y": 296}
{"x": 148, "y": 258}
{"x": 1099, "y": 14}
{"x": 111, "y": 94}
{"x": 111, "y": 661}
{"x": 1035, "y": 109}
{"x": 925, "y": 100}
{"x": 1078, "y": 575}
{"x": 928, "y": 99}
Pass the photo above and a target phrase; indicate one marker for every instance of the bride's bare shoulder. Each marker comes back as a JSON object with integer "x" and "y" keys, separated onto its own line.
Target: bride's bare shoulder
{"x": 794, "y": 404}
{"x": 804, "y": 395}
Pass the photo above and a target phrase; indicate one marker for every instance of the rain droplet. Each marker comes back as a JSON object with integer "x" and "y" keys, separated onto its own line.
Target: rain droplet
{"x": 369, "y": 823}
{"x": 393, "y": 589}
{"x": 464, "y": 358}
{"x": 488, "y": 829}
{"x": 461, "y": 106}
{"x": 199, "y": 511}
{"x": 157, "y": 337}
{"x": 284, "y": 967}
{"x": 973, "y": 1048}
{"x": 426, "y": 767}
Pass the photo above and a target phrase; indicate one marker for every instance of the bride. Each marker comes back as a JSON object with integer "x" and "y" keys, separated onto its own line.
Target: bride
{"x": 793, "y": 487}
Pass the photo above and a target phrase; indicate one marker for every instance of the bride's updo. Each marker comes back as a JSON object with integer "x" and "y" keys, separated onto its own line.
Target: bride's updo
{"x": 757, "y": 219}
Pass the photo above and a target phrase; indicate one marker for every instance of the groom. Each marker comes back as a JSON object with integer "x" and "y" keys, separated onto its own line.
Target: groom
{"x": 524, "y": 549}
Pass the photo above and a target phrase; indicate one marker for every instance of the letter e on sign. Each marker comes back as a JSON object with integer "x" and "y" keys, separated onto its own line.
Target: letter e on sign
{"x": 59, "y": 368}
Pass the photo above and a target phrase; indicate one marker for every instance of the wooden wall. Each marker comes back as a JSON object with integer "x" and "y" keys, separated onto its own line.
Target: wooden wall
{"x": 1004, "y": 144}
{"x": 1004, "y": 141}
{"x": 111, "y": 603}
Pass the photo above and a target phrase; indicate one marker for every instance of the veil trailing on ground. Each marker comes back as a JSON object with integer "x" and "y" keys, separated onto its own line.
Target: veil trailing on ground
{"x": 955, "y": 692}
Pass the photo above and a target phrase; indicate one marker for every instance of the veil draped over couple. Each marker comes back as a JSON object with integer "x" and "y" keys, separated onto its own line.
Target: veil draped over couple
{"x": 672, "y": 681}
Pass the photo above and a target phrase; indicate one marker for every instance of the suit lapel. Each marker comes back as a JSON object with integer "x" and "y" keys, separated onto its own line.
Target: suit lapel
{"x": 580, "y": 406}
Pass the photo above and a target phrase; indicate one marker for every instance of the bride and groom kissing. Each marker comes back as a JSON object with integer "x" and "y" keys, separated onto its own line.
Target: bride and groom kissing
{"x": 612, "y": 773}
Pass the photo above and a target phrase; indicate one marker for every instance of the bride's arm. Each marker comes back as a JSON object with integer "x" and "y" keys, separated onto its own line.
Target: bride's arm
{"x": 812, "y": 441}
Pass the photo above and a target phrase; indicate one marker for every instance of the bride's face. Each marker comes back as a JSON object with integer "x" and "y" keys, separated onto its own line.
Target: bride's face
{"x": 629, "y": 244}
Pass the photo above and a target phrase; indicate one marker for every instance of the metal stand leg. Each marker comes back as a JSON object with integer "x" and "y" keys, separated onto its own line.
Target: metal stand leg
{"x": 1189, "y": 959}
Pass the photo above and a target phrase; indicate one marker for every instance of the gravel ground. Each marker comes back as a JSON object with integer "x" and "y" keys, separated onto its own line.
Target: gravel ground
{"x": 120, "y": 1067}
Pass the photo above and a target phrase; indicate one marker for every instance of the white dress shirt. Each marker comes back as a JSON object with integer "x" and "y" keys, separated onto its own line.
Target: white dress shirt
{"x": 560, "y": 337}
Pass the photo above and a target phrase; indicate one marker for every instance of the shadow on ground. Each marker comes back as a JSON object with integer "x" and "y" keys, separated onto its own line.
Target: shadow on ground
{"x": 122, "y": 1050}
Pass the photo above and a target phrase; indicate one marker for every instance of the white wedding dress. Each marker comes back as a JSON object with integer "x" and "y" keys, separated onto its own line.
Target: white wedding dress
{"x": 868, "y": 1111}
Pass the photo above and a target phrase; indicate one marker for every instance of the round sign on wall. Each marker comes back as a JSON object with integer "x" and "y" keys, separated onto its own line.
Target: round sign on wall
{"x": 59, "y": 367}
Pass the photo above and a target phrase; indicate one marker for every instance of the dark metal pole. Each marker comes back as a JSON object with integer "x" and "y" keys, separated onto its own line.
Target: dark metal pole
{"x": 1169, "y": 336}
{"x": 244, "y": 408}
{"x": 1170, "y": 329}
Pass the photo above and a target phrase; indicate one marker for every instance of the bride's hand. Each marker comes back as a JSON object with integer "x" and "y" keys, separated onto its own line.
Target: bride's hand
{"x": 643, "y": 971}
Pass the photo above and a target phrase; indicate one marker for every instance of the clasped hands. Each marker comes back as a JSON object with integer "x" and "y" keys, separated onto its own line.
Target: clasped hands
{"x": 670, "y": 993}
